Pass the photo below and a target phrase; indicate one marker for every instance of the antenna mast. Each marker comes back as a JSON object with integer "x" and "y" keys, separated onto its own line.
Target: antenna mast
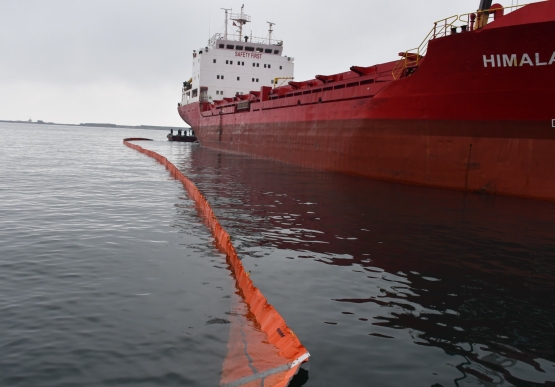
{"x": 270, "y": 30}
{"x": 226, "y": 10}
{"x": 242, "y": 19}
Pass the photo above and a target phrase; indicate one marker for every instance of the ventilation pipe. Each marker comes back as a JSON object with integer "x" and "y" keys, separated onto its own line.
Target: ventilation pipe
{"x": 483, "y": 13}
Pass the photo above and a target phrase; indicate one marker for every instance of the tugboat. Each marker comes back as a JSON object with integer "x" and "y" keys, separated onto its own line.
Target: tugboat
{"x": 188, "y": 135}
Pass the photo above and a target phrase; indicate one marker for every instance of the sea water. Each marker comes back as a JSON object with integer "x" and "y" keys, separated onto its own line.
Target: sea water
{"x": 109, "y": 277}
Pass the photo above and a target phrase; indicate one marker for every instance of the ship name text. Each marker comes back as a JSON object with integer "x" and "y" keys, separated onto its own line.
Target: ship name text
{"x": 244, "y": 54}
{"x": 505, "y": 60}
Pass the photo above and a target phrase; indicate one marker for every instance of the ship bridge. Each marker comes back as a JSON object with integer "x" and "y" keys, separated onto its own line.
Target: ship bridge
{"x": 232, "y": 64}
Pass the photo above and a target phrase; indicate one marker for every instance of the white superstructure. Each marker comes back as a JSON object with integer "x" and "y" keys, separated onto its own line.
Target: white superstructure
{"x": 234, "y": 64}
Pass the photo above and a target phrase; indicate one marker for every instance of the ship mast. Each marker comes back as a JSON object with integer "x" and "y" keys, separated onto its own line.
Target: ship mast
{"x": 270, "y": 30}
{"x": 242, "y": 19}
{"x": 225, "y": 24}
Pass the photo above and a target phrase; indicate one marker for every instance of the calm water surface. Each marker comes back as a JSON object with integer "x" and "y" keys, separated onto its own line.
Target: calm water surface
{"x": 108, "y": 276}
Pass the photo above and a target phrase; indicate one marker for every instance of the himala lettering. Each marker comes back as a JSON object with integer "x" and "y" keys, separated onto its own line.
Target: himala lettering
{"x": 512, "y": 60}
{"x": 244, "y": 54}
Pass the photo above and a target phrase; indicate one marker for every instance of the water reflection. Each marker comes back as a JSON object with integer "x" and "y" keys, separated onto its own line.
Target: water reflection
{"x": 391, "y": 274}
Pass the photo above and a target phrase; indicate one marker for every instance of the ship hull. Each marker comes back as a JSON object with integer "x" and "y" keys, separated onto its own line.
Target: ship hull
{"x": 509, "y": 158}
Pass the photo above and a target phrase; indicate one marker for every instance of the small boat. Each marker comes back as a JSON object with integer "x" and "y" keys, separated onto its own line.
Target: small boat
{"x": 187, "y": 136}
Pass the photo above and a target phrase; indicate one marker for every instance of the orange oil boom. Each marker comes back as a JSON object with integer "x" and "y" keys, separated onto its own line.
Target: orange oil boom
{"x": 262, "y": 350}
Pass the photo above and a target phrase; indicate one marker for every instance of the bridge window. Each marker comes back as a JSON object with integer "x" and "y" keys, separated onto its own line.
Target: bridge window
{"x": 259, "y": 49}
{"x": 249, "y": 48}
{"x": 238, "y": 47}
{"x": 276, "y": 51}
{"x": 221, "y": 46}
{"x": 230, "y": 46}
{"x": 268, "y": 51}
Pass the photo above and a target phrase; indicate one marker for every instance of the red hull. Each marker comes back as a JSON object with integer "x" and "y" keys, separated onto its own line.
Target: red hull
{"x": 459, "y": 121}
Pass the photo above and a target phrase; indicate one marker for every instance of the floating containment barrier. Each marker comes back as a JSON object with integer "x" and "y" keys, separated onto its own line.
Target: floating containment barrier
{"x": 262, "y": 350}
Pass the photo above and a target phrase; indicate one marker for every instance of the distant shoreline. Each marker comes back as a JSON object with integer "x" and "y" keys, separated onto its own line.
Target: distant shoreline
{"x": 96, "y": 125}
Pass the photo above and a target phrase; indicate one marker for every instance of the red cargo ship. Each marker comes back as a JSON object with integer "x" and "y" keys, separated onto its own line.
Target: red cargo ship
{"x": 469, "y": 109}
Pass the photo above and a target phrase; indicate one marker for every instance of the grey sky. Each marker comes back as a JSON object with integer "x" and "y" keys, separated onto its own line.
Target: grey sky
{"x": 123, "y": 61}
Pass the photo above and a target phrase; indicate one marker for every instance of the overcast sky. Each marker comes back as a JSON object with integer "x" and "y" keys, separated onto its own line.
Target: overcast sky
{"x": 124, "y": 61}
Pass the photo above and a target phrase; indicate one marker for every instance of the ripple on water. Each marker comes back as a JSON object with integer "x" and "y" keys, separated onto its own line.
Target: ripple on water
{"x": 390, "y": 283}
{"x": 103, "y": 260}
{"x": 108, "y": 276}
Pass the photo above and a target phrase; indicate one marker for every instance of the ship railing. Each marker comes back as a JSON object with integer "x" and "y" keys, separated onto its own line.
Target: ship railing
{"x": 410, "y": 60}
{"x": 235, "y": 37}
{"x": 412, "y": 57}
{"x": 445, "y": 27}
{"x": 479, "y": 19}
{"x": 212, "y": 41}
{"x": 240, "y": 17}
